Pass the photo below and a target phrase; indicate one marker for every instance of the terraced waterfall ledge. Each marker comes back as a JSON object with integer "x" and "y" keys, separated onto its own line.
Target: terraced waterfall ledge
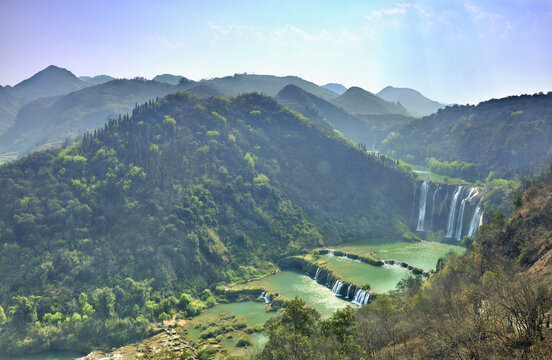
{"x": 347, "y": 290}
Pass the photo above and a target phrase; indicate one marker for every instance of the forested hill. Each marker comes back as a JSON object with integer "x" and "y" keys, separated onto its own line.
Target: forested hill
{"x": 186, "y": 192}
{"x": 510, "y": 136}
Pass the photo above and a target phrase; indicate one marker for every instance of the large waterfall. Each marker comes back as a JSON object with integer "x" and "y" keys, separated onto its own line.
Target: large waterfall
{"x": 471, "y": 194}
{"x": 476, "y": 221}
{"x": 452, "y": 210}
{"x": 423, "y": 202}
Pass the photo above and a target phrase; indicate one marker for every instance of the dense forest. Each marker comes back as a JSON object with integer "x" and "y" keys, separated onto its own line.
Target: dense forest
{"x": 138, "y": 220}
{"x": 509, "y": 136}
{"x": 489, "y": 304}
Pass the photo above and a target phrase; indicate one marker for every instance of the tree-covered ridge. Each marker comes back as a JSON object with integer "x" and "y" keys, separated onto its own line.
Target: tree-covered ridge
{"x": 510, "y": 136}
{"x": 182, "y": 194}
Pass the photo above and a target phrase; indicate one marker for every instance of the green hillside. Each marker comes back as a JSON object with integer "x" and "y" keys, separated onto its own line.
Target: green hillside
{"x": 184, "y": 193}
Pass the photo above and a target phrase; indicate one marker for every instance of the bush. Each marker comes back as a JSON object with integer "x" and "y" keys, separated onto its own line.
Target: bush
{"x": 243, "y": 342}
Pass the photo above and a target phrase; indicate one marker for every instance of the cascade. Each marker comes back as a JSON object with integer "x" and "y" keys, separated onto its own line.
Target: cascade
{"x": 331, "y": 252}
{"x": 328, "y": 278}
{"x": 475, "y": 222}
{"x": 336, "y": 290}
{"x": 265, "y": 296}
{"x": 471, "y": 194}
{"x": 344, "y": 255}
{"x": 316, "y": 275}
{"x": 348, "y": 290}
{"x": 423, "y": 203}
{"x": 452, "y": 212}
{"x": 361, "y": 297}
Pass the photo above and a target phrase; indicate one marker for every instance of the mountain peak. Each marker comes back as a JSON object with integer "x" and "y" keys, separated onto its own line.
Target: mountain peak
{"x": 412, "y": 100}
{"x": 51, "y": 81}
{"x": 335, "y": 87}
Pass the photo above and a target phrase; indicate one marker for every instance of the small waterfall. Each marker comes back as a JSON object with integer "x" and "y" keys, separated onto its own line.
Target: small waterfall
{"x": 452, "y": 213}
{"x": 265, "y": 296}
{"x": 344, "y": 255}
{"x": 423, "y": 203}
{"x": 471, "y": 194}
{"x": 336, "y": 290}
{"x": 317, "y": 273}
{"x": 331, "y": 252}
{"x": 475, "y": 222}
{"x": 348, "y": 291}
{"x": 361, "y": 297}
{"x": 328, "y": 278}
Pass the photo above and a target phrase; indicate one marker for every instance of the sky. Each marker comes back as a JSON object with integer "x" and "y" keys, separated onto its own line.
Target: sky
{"x": 451, "y": 51}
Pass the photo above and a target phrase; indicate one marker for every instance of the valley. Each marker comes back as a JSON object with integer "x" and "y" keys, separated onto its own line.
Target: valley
{"x": 212, "y": 212}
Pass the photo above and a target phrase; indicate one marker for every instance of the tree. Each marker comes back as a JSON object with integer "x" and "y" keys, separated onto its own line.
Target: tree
{"x": 22, "y": 312}
{"x": 3, "y": 318}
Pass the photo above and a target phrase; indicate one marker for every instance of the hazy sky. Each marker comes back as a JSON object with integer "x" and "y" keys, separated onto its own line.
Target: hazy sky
{"x": 451, "y": 51}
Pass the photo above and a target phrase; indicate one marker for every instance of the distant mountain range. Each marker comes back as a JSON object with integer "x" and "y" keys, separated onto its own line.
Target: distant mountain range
{"x": 54, "y": 104}
{"x": 415, "y": 103}
{"x": 264, "y": 84}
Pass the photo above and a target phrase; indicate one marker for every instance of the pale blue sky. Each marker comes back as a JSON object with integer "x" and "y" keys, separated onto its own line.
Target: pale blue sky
{"x": 451, "y": 51}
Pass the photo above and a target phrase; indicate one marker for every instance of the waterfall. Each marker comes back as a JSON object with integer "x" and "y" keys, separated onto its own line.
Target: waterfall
{"x": 265, "y": 296}
{"x": 331, "y": 252}
{"x": 336, "y": 290}
{"x": 361, "y": 297}
{"x": 328, "y": 278}
{"x": 452, "y": 212}
{"x": 423, "y": 203}
{"x": 348, "y": 290}
{"x": 432, "y": 213}
{"x": 344, "y": 255}
{"x": 475, "y": 222}
{"x": 316, "y": 275}
{"x": 471, "y": 194}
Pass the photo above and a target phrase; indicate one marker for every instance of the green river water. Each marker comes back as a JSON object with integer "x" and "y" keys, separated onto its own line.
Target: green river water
{"x": 423, "y": 255}
{"x": 53, "y": 355}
